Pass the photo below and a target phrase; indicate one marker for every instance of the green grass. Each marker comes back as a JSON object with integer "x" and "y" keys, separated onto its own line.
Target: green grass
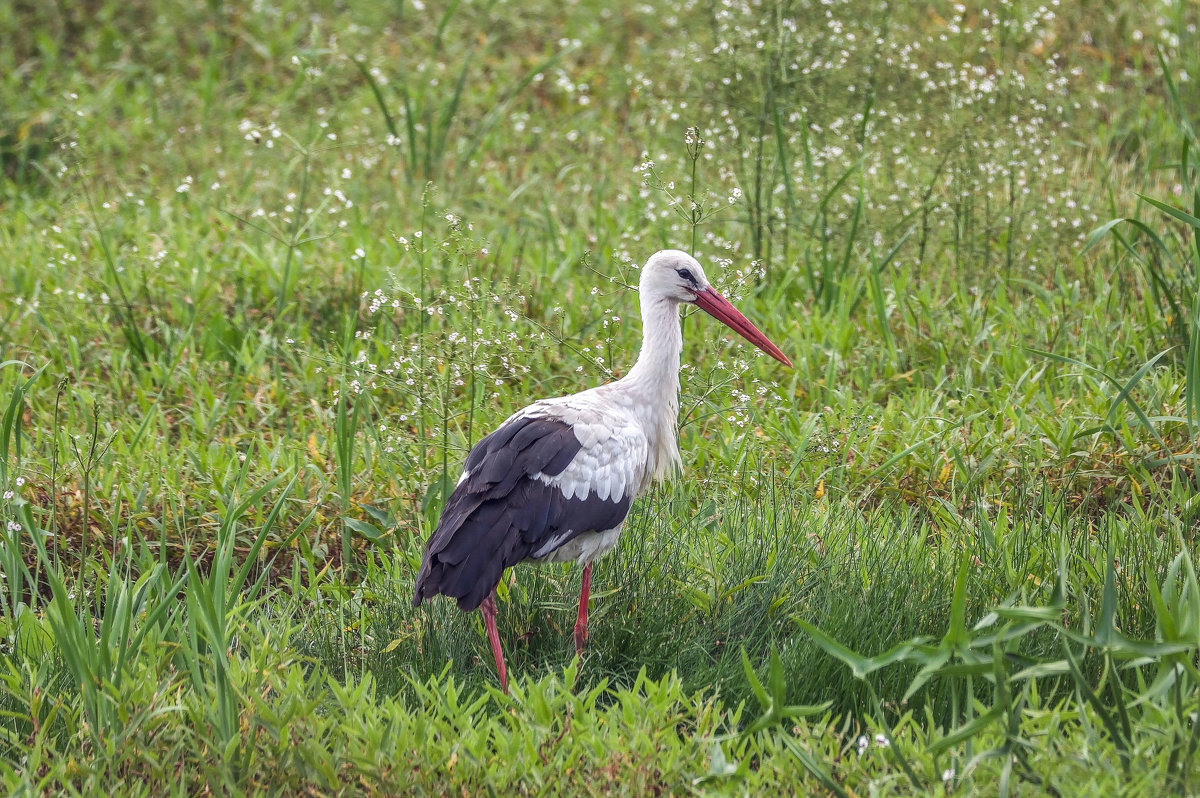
{"x": 270, "y": 271}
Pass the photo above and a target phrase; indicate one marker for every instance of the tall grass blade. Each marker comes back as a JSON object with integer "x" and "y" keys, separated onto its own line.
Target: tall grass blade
{"x": 10, "y": 423}
{"x": 1181, "y": 109}
{"x": 388, "y": 120}
{"x": 124, "y": 307}
{"x": 809, "y": 763}
{"x": 438, "y": 149}
{"x": 1172, "y": 211}
{"x": 861, "y": 667}
{"x": 1101, "y": 709}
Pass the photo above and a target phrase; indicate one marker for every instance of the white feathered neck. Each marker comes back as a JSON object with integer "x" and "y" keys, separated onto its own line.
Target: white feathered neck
{"x": 651, "y": 387}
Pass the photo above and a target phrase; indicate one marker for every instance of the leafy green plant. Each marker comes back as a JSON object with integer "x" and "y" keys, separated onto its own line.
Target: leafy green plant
{"x": 429, "y": 111}
{"x": 1113, "y": 424}
{"x": 14, "y": 509}
{"x": 100, "y": 649}
{"x": 1171, "y": 259}
{"x": 994, "y": 652}
{"x": 217, "y": 602}
{"x": 128, "y": 313}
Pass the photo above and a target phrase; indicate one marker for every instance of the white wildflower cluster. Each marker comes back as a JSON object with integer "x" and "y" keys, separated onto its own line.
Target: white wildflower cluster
{"x": 694, "y": 205}
{"x": 955, "y": 141}
{"x": 864, "y": 742}
{"x": 576, "y": 90}
{"x": 11, "y": 496}
{"x": 255, "y": 134}
{"x": 10, "y": 493}
{"x": 282, "y": 210}
{"x": 433, "y": 350}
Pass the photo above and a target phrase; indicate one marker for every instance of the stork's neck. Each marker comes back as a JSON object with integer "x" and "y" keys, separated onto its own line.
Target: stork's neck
{"x": 652, "y": 384}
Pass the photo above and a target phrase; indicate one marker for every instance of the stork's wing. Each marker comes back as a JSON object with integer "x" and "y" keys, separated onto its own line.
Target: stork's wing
{"x": 545, "y": 476}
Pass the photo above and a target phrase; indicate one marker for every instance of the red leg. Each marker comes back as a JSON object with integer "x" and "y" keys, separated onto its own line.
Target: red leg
{"x": 585, "y": 590}
{"x": 488, "y": 608}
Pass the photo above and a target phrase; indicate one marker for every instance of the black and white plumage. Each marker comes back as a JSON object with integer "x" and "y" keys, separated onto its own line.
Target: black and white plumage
{"x": 555, "y": 481}
{"x": 516, "y": 501}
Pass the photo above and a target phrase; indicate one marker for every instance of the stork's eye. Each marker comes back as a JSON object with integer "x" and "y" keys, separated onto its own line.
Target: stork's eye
{"x": 687, "y": 275}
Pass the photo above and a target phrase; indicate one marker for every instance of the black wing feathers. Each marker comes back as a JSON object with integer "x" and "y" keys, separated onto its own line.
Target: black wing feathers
{"x": 498, "y": 516}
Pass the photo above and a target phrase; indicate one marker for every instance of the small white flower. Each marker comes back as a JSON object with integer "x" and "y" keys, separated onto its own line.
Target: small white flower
{"x": 862, "y": 744}
{"x": 947, "y": 775}
{"x": 882, "y": 741}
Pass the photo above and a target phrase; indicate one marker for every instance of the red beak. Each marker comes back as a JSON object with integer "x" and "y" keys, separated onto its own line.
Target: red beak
{"x": 720, "y": 309}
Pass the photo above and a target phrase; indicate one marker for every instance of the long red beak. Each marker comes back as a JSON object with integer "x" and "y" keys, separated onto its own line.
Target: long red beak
{"x": 720, "y": 309}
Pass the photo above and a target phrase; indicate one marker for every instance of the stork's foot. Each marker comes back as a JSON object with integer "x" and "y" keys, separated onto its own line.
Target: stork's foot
{"x": 580, "y": 638}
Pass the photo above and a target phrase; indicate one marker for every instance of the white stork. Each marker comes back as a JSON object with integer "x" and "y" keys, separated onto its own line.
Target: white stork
{"x": 555, "y": 481}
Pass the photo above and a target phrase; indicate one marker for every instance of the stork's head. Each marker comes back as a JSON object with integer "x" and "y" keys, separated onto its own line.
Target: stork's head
{"x": 678, "y": 277}
{"x": 673, "y": 275}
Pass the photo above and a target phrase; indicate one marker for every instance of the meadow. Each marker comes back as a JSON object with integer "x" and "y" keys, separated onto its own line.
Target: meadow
{"x": 267, "y": 270}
